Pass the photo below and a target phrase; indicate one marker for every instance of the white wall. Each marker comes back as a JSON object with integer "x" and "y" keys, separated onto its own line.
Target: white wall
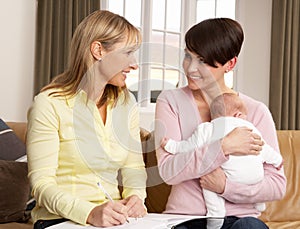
{"x": 253, "y": 70}
{"x": 17, "y": 20}
{"x": 17, "y": 23}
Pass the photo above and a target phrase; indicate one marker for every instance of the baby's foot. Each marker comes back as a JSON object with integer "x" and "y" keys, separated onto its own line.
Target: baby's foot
{"x": 214, "y": 223}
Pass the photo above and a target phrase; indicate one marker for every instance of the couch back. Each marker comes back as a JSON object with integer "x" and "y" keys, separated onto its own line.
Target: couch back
{"x": 287, "y": 209}
{"x": 19, "y": 129}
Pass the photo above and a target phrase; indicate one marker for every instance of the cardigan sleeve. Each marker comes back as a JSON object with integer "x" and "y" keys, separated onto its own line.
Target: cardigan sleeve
{"x": 176, "y": 168}
{"x": 42, "y": 150}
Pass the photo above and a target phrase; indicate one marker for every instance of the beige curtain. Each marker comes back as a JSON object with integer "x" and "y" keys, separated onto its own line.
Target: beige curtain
{"x": 56, "y": 22}
{"x": 285, "y": 63}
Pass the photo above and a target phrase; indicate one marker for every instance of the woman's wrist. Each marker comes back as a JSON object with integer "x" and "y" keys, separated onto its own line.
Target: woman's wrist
{"x": 224, "y": 146}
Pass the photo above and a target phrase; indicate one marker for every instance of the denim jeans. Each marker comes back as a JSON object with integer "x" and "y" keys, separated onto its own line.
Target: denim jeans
{"x": 230, "y": 222}
{"x": 243, "y": 223}
{"x": 41, "y": 224}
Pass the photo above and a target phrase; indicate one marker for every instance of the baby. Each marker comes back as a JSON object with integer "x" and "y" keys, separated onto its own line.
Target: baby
{"x": 227, "y": 113}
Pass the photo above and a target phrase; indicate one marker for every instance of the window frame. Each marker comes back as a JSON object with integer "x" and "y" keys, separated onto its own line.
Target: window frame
{"x": 188, "y": 18}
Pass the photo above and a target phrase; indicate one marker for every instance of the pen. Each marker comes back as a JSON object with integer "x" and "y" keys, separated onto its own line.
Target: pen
{"x": 107, "y": 195}
{"x": 105, "y": 192}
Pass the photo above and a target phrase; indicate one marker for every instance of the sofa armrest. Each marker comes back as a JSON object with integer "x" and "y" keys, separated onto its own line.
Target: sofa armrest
{"x": 19, "y": 129}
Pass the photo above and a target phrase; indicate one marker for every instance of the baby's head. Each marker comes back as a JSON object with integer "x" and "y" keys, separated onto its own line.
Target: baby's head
{"x": 228, "y": 104}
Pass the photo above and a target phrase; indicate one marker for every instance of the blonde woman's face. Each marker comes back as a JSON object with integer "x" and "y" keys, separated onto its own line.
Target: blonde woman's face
{"x": 118, "y": 62}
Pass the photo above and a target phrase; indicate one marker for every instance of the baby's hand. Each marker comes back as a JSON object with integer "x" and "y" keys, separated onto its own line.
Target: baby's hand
{"x": 164, "y": 142}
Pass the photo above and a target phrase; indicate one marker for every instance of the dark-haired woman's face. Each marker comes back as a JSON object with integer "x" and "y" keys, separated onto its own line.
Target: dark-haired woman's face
{"x": 199, "y": 74}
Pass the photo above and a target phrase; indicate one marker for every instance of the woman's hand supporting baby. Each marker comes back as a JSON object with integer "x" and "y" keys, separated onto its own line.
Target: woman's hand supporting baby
{"x": 214, "y": 181}
{"x": 242, "y": 141}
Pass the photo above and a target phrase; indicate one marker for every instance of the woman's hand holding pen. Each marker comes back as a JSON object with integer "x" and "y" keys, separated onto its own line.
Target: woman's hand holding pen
{"x": 108, "y": 214}
{"x": 242, "y": 141}
{"x": 135, "y": 206}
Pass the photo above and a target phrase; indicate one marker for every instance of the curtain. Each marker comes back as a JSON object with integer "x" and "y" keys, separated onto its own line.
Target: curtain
{"x": 56, "y": 22}
{"x": 284, "y": 100}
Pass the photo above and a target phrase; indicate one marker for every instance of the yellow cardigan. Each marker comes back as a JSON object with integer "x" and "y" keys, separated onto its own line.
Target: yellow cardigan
{"x": 70, "y": 150}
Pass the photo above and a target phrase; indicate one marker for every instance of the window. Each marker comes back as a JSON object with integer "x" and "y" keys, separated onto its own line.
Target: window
{"x": 163, "y": 24}
{"x": 217, "y": 8}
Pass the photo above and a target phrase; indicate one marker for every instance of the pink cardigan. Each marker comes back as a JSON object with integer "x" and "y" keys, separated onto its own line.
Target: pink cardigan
{"x": 177, "y": 117}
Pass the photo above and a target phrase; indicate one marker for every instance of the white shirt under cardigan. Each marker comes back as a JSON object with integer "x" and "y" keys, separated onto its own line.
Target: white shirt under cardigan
{"x": 243, "y": 169}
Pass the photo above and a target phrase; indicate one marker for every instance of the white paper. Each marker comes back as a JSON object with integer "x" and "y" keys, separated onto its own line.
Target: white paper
{"x": 150, "y": 221}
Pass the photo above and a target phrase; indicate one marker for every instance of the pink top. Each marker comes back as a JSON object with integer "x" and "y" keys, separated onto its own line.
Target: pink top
{"x": 177, "y": 117}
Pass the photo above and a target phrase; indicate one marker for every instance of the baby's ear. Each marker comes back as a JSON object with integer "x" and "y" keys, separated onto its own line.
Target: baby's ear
{"x": 238, "y": 114}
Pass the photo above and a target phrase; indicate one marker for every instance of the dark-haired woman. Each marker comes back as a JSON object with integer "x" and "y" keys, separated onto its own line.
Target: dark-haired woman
{"x": 212, "y": 48}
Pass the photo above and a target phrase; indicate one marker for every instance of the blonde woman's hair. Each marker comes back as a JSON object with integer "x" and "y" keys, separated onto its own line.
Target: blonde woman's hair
{"x": 107, "y": 28}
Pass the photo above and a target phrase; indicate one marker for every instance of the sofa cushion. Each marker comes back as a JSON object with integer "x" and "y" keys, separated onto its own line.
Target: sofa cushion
{"x": 157, "y": 190}
{"x": 14, "y": 184}
{"x": 286, "y": 210}
{"x": 15, "y": 190}
{"x": 11, "y": 147}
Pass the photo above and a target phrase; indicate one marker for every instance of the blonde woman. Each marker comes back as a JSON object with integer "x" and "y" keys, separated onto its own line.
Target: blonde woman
{"x": 83, "y": 128}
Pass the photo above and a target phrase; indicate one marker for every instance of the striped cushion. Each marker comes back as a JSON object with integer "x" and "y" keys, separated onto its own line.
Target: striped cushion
{"x": 11, "y": 147}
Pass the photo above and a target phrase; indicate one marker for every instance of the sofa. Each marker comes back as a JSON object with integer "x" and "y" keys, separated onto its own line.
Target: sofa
{"x": 283, "y": 214}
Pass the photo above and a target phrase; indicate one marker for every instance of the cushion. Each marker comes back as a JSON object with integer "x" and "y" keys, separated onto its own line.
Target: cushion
{"x": 11, "y": 147}
{"x": 14, "y": 184}
{"x": 287, "y": 209}
{"x": 157, "y": 190}
{"x": 15, "y": 190}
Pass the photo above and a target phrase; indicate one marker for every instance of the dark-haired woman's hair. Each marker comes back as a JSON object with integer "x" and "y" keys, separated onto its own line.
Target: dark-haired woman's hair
{"x": 216, "y": 40}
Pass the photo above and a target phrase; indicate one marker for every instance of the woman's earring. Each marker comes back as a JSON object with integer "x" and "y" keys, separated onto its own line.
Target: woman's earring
{"x": 100, "y": 59}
